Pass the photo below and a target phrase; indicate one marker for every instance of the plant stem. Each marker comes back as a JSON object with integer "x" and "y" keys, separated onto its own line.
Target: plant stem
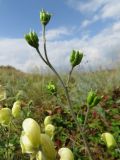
{"x": 86, "y": 117}
{"x": 69, "y": 76}
{"x": 66, "y": 93}
{"x": 8, "y": 139}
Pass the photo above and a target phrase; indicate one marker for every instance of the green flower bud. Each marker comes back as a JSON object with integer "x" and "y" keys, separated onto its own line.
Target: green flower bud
{"x": 49, "y": 130}
{"x": 44, "y": 17}
{"x": 65, "y": 154}
{"x": 5, "y": 116}
{"x": 47, "y": 147}
{"x": 30, "y": 138}
{"x": 109, "y": 140}
{"x": 96, "y": 101}
{"x": 52, "y": 88}
{"x": 90, "y": 97}
{"x": 16, "y": 109}
{"x": 93, "y": 99}
{"x": 76, "y": 58}
{"x": 47, "y": 120}
{"x": 32, "y": 39}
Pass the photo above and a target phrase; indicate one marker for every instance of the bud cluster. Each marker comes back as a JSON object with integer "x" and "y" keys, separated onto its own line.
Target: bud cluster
{"x": 52, "y": 88}
{"x": 32, "y": 39}
{"x": 93, "y": 99}
{"x": 76, "y": 58}
{"x": 44, "y": 17}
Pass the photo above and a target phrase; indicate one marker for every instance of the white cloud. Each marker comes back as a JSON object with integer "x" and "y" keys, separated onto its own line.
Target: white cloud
{"x": 54, "y": 34}
{"x": 100, "y": 50}
{"x": 111, "y": 10}
{"x": 96, "y": 10}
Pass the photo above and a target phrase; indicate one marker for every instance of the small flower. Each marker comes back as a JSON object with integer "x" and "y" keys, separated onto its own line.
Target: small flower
{"x": 47, "y": 120}
{"x": 49, "y": 130}
{"x": 5, "y": 116}
{"x": 30, "y": 138}
{"x": 45, "y": 17}
{"x": 16, "y": 109}
{"x": 32, "y": 39}
{"x": 109, "y": 140}
{"x": 65, "y": 154}
{"x": 76, "y": 58}
{"x": 47, "y": 147}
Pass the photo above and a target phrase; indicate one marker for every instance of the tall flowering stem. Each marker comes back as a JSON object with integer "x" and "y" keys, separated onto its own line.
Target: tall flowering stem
{"x": 75, "y": 59}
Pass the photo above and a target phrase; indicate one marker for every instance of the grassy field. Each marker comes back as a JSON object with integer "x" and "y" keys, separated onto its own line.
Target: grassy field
{"x": 104, "y": 117}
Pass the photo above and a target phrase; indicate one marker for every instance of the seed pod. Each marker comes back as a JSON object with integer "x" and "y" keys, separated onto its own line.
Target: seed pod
{"x": 32, "y": 39}
{"x": 47, "y": 120}
{"x": 49, "y": 130}
{"x": 65, "y": 154}
{"x": 90, "y": 97}
{"x": 47, "y": 147}
{"x": 109, "y": 140}
{"x": 45, "y": 17}
{"x": 5, "y": 116}
{"x": 76, "y": 58}
{"x": 16, "y": 109}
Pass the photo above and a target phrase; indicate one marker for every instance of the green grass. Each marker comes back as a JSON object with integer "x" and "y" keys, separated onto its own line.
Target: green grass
{"x": 105, "y": 117}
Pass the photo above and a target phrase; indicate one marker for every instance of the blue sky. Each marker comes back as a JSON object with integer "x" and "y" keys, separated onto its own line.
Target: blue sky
{"x": 92, "y": 26}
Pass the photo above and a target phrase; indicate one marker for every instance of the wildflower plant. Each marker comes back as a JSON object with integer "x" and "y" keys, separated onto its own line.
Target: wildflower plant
{"x": 34, "y": 141}
{"x": 75, "y": 59}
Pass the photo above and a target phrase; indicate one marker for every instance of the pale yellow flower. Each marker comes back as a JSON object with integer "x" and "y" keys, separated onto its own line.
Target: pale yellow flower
{"x": 5, "y": 116}
{"x": 47, "y": 147}
{"x": 49, "y": 130}
{"x": 108, "y": 139}
{"x": 30, "y": 138}
{"x": 47, "y": 120}
{"x": 65, "y": 154}
{"x": 16, "y": 109}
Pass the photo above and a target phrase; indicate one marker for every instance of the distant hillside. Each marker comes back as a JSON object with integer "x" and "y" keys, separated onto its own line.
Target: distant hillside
{"x": 9, "y": 68}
